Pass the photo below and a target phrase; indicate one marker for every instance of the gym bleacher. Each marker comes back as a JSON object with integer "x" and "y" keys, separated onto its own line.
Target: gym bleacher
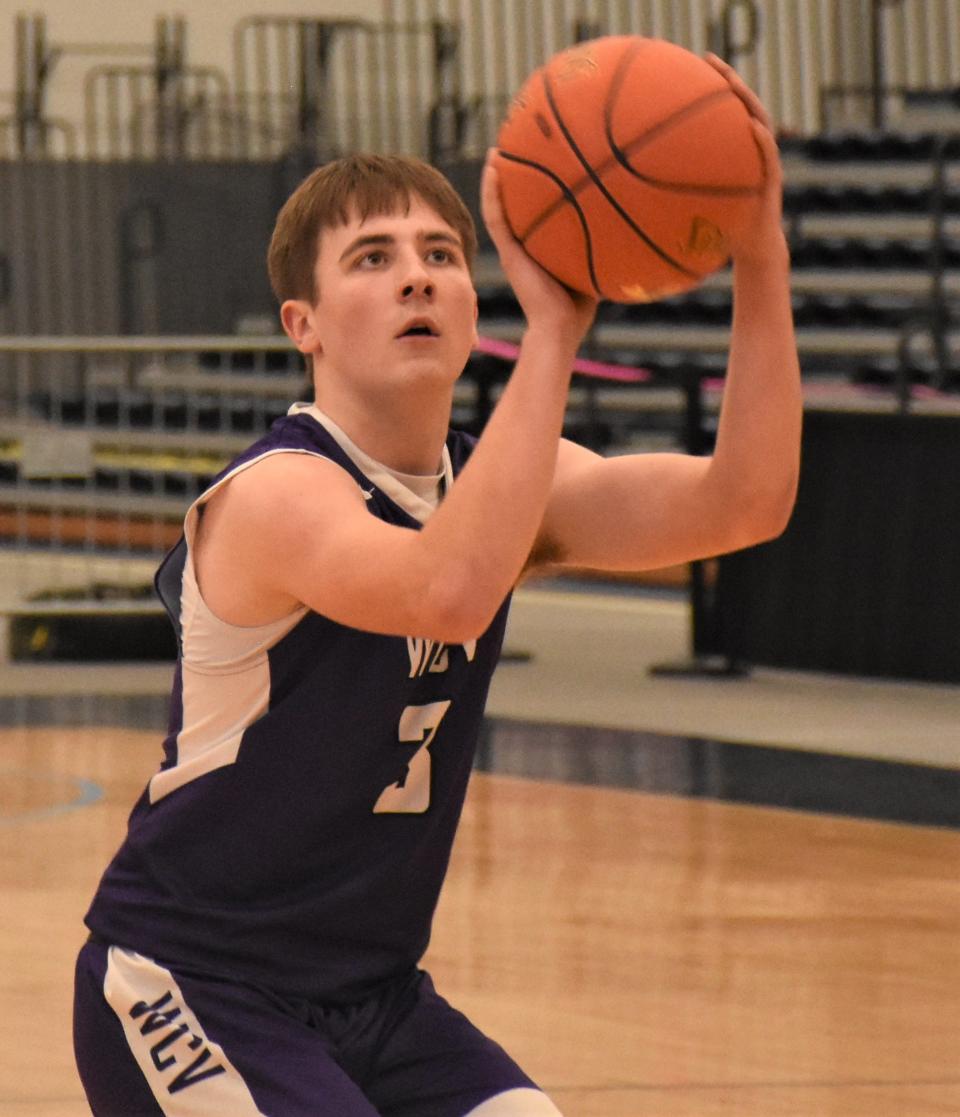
{"x": 141, "y": 347}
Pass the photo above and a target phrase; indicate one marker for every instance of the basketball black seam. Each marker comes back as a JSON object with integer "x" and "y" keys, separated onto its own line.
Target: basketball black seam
{"x": 663, "y": 184}
{"x": 691, "y": 188}
{"x": 568, "y": 196}
{"x": 694, "y": 107}
{"x": 606, "y": 193}
{"x": 615, "y": 82}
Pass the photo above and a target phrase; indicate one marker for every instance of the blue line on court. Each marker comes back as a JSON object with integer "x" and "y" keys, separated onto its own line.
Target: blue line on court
{"x": 86, "y": 793}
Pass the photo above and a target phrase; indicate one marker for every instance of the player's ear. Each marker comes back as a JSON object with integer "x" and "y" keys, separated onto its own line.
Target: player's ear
{"x": 476, "y": 321}
{"x": 298, "y": 322}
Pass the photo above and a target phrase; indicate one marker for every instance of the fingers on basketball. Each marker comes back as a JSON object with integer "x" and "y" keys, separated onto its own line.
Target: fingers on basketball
{"x": 754, "y": 105}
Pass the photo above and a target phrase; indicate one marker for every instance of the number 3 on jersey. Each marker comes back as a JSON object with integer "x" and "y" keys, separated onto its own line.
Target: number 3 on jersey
{"x": 411, "y": 793}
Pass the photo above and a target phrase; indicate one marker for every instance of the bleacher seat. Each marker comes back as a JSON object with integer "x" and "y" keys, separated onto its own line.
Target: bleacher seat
{"x": 869, "y": 253}
{"x": 498, "y": 302}
{"x": 877, "y": 147}
{"x": 865, "y": 198}
{"x": 701, "y": 307}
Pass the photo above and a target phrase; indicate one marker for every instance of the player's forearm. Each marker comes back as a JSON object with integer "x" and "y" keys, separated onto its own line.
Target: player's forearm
{"x": 478, "y": 541}
{"x": 757, "y": 454}
{"x": 482, "y": 534}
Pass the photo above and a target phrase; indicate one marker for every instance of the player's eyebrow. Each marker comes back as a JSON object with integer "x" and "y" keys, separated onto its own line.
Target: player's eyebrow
{"x": 387, "y": 240}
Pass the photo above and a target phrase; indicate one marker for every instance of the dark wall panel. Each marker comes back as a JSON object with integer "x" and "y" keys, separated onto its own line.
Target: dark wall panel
{"x": 134, "y": 248}
{"x": 866, "y": 579}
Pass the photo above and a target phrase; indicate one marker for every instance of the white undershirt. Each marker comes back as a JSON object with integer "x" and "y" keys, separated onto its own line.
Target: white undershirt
{"x": 417, "y": 494}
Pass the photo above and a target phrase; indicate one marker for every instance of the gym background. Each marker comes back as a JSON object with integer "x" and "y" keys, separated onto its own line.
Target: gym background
{"x": 143, "y": 157}
{"x": 708, "y": 863}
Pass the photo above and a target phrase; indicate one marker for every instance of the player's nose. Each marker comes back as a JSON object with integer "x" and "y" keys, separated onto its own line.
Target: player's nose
{"x": 414, "y": 278}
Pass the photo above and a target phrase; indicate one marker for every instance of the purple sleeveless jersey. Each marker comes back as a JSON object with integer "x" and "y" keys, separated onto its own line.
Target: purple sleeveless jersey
{"x": 312, "y": 863}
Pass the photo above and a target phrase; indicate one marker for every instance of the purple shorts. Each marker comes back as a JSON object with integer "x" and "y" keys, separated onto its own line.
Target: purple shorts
{"x": 153, "y": 1041}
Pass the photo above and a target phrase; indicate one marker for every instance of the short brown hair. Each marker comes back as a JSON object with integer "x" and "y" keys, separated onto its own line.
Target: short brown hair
{"x": 361, "y": 183}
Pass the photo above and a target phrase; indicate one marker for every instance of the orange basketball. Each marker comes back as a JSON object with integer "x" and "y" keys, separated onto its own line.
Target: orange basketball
{"x": 624, "y": 162}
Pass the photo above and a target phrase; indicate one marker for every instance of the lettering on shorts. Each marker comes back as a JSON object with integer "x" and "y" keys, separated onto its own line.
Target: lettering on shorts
{"x": 178, "y": 1053}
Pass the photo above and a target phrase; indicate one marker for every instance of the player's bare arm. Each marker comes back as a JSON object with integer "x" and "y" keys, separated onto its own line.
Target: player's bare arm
{"x": 643, "y": 511}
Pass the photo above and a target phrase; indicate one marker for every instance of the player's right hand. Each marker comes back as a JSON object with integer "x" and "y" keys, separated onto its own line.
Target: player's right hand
{"x": 546, "y": 303}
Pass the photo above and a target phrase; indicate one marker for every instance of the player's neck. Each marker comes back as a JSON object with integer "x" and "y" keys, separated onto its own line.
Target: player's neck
{"x": 404, "y": 434}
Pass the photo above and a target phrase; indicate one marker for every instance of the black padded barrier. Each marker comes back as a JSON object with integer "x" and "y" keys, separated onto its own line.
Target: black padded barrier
{"x": 866, "y": 578}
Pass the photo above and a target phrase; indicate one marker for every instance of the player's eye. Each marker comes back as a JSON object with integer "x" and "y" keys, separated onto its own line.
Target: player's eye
{"x": 372, "y": 259}
{"x": 440, "y": 256}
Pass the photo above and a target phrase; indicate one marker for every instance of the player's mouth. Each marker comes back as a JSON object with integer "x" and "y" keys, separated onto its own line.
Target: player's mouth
{"x": 419, "y": 329}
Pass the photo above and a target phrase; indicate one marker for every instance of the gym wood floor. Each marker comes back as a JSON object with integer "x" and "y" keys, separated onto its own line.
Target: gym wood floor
{"x": 640, "y": 954}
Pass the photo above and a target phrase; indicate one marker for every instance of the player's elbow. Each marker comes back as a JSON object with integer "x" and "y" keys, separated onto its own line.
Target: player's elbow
{"x": 781, "y": 501}
{"x": 460, "y": 610}
{"x": 766, "y": 512}
{"x": 780, "y": 514}
{"x": 456, "y": 626}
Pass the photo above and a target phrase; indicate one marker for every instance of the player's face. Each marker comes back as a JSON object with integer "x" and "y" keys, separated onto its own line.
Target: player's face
{"x": 395, "y": 297}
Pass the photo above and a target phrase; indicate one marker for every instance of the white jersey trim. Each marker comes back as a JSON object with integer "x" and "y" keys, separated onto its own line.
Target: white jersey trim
{"x": 188, "y": 1074}
{"x": 522, "y": 1102}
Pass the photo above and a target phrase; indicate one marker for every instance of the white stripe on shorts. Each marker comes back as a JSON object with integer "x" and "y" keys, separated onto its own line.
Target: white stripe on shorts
{"x": 522, "y": 1102}
{"x": 189, "y": 1074}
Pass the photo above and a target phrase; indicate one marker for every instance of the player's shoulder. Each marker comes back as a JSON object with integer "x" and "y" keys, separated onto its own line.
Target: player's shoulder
{"x": 281, "y": 481}
{"x": 296, "y": 446}
{"x": 294, "y": 467}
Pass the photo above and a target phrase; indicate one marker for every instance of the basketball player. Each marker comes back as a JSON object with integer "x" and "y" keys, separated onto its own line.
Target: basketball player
{"x": 340, "y": 596}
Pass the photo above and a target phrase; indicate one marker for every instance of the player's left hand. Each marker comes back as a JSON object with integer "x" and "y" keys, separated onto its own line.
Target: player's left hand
{"x": 763, "y": 233}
